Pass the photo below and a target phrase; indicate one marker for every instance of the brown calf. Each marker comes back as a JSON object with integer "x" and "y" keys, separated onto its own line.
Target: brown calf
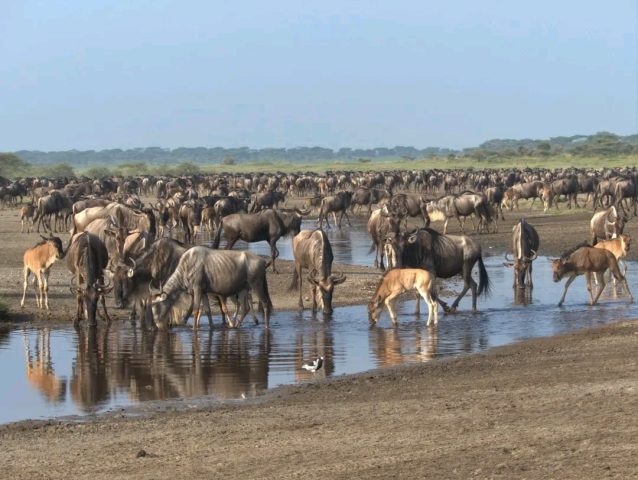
{"x": 38, "y": 260}
{"x": 619, "y": 247}
{"x": 26, "y": 216}
{"x": 587, "y": 260}
{"x": 400, "y": 280}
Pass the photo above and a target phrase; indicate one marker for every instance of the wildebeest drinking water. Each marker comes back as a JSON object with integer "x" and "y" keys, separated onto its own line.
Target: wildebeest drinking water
{"x": 585, "y": 259}
{"x": 525, "y": 243}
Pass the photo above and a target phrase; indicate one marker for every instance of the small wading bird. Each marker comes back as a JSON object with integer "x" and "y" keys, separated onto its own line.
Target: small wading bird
{"x": 314, "y": 366}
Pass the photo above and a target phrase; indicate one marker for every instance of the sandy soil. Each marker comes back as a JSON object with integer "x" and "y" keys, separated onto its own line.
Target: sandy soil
{"x": 559, "y": 407}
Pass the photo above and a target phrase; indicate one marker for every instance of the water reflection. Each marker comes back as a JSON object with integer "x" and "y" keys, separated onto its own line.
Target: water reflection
{"x": 92, "y": 370}
{"x": 39, "y": 367}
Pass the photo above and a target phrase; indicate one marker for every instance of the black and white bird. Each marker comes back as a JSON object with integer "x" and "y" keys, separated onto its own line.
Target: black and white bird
{"x": 314, "y": 366}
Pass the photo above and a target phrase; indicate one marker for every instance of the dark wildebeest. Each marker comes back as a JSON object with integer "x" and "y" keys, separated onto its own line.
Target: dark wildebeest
{"x": 525, "y": 243}
{"x": 526, "y": 191}
{"x": 87, "y": 259}
{"x": 588, "y": 260}
{"x": 409, "y": 206}
{"x": 268, "y": 225}
{"x": 367, "y": 196}
{"x": 266, "y": 200}
{"x": 224, "y": 274}
{"x": 81, "y": 205}
{"x": 52, "y": 204}
{"x": 460, "y": 207}
{"x": 190, "y": 215}
{"x": 338, "y": 203}
{"x": 312, "y": 251}
{"x": 446, "y": 255}
{"x": 587, "y": 184}
{"x": 606, "y": 224}
{"x": 625, "y": 189}
{"x": 569, "y": 187}
{"x": 227, "y": 206}
{"x": 381, "y": 224}
{"x": 494, "y": 196}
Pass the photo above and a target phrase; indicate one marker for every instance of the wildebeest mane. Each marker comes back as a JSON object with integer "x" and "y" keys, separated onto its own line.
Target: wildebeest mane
{"x": 567, "y": 253}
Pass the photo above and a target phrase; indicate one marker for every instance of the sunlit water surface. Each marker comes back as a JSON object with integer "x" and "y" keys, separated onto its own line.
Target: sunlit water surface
{"x": 49, "y": 372}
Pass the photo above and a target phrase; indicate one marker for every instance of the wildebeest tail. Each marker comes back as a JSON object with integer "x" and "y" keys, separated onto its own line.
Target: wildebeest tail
{"x": 218, "y": 235}
{"x": 484, "y": 287}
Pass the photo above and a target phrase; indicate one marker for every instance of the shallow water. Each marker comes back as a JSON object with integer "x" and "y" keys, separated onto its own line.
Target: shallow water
{"x": 56, "y": 372}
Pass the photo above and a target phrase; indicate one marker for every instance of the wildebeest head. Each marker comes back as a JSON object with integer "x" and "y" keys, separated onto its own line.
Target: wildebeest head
{"x": 520, "y": 265}
{"x": 56, "y": 242}
{"x": 326, "y": 287}
{"x": 558, "y": 268}
{"x": 91, "y": 295}
{"x": 292, "y": 220}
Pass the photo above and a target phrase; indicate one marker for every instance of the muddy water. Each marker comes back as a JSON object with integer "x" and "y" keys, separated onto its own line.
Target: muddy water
{"x": 56, "y": 372}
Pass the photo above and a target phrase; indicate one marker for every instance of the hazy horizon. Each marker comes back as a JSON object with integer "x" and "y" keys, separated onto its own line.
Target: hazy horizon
{"x": 92, "y": 76}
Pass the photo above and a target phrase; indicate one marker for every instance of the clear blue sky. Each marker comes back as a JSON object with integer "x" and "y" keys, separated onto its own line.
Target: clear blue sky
{"x": 94, "y": 74}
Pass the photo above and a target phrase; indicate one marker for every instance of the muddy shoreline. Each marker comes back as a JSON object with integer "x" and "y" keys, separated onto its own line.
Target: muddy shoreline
{"x": 558, "y": 407}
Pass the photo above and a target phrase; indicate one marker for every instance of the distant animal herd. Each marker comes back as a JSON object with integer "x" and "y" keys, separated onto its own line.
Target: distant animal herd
{"x": 142, "y": 238}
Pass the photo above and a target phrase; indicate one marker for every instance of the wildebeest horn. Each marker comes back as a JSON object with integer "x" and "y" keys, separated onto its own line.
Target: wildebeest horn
{"x": 338, "y": 278}
{"x": 154, "y": 291}
{"x": 303, "y": 213}
{"x": 508, "y": 259}
{"x": 105, "y": 288}
{"x": 533, "y": 256}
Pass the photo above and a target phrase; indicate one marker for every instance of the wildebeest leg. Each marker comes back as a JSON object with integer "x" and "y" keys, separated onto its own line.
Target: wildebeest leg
{"x": 447, "y": 219}
{"x": 532, "y": 205}
{"x": 588, "y": 284}
{"x": 106, "y": 314}
{"x": 347, "y": 217}
{"x": 299, "y": 283}
{"x": 388, "y": 304}
{"x": 567, "y": 284}
{"x": 25, "y": 285}
{"x": 600, "y": 290}
{"x": 529, "y": 275}
{"x": 334, "y": 217}
{"x": 417, "y": 310}
{"x": 432, "y": 306}
{"x": 469, "y": 283}
{"x": 197, "y": 300}
{"x": 274, "y": 253}
{"x": 45, "y": 288}
{"x": 313, "y": 292}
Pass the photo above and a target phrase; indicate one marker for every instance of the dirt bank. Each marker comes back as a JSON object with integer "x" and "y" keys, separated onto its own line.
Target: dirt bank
{"x": 561, "y": 407}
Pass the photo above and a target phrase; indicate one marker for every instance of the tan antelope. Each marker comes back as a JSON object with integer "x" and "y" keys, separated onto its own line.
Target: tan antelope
{"x": 38, "y": 260}
{"x": 400, "y": 280}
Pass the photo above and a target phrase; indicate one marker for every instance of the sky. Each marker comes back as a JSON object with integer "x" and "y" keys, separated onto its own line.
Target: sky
{"x": 95, "y": 74}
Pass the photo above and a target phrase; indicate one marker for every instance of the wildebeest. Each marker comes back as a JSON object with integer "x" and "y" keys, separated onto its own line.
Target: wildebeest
{"x": 525, "y": 243}
{"x": 588, "y": 260}
{"x": 312, "y": 252}
{"x": 227, "y": 206}
{"x": 202, "y": 271}
{"x": 397, "y": 281}
{"x": 38, "y": 261}
{"x": 87, "y": 260}
{"x": 566, "y": 186}
{"x": 446, "y": 255}
{"x": 338, "y": 203}
{"x": 381, "y": 224}
{"x": 494, "y": 196}
{"x": 606, "y": 224}
{"x": 190, "y": 214}
{"x": 460, "y": 207}
{"x": 409, "y": 206}
{"x": 26, "y": 216}
{"x": 267, "y": 225}
{"x": 367, "y": 196}
{"x": 266, "y": 200}
{"x": 52, "y": 204}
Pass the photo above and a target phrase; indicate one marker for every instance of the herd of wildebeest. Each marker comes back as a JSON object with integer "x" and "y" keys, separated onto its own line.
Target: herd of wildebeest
{"x": 145, "y": 253}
